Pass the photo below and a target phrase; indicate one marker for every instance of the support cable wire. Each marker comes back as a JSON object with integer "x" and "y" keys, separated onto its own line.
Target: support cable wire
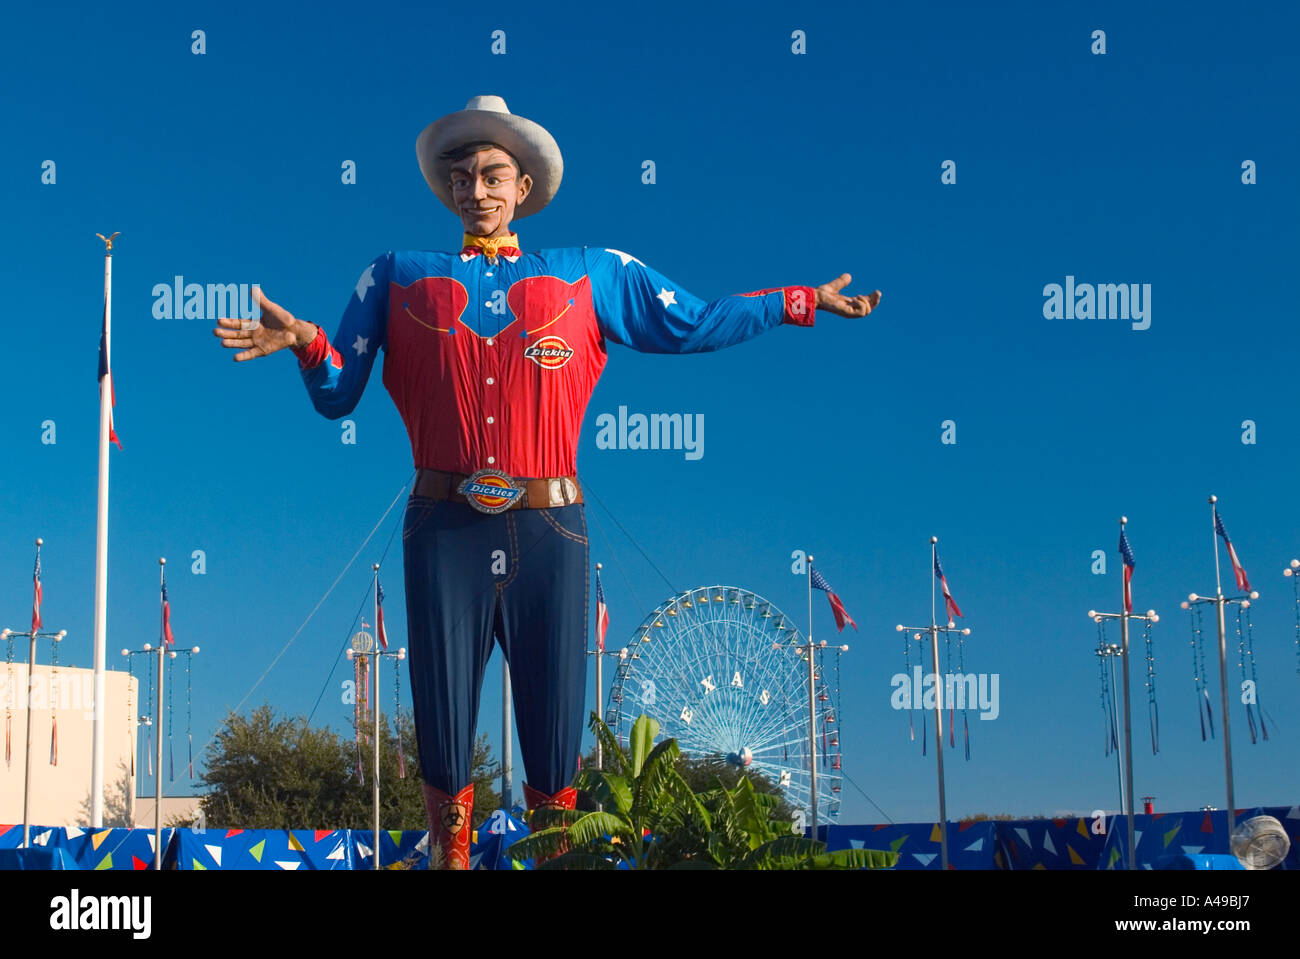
{"x": 867, "y": 798}
{"x": 352, "y": 629}
{"x": 587, "y": 488}
{"x": 284, "y": 649}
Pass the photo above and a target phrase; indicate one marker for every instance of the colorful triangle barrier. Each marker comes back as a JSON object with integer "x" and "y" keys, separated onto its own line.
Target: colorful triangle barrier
{"x": 1163, "y": 841}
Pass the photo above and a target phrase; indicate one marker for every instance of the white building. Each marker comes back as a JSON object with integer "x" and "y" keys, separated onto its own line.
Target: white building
{"x": 60, "y": 794}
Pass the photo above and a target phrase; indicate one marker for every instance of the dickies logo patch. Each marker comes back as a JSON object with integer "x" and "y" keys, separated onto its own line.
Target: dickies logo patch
{"x": 550, "y": 352}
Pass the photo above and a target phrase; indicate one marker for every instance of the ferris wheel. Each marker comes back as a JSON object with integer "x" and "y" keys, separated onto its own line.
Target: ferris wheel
{"x": 716, "y": 667}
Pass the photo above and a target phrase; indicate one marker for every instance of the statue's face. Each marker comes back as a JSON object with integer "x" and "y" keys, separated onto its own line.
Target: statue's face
{"x": 486, "y": 191}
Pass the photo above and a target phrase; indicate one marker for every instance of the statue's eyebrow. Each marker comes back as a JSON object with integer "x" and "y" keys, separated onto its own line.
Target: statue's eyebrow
{"x": 493, "y": 166}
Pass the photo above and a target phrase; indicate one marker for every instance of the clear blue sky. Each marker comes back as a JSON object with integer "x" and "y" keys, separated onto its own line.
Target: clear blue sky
{"x": 772, "y": 169}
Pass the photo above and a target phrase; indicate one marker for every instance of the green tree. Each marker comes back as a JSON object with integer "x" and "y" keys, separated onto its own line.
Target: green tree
{"x": 269, "y": 772}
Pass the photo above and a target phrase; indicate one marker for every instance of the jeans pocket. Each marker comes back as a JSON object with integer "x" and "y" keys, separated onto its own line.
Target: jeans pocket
{"x": 418, "y": 511}
{"x": 561, "y": 518}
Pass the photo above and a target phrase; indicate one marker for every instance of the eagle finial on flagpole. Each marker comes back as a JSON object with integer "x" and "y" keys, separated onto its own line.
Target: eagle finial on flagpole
{"x": 108, "y": 240}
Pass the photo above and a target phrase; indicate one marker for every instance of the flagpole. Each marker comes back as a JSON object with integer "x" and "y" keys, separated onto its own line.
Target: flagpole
{"x": 101, "y": 552}
{"x": 1128, "y": 719}
{"x": 1119, "y": 752}
{"x": 1126, "y": 796}
{"x": 600, "y": 681}
{"x": 1223, "y": 673}
{"x": 33, "y": 633}
{"x": 375, "y": 702}
{"x": 600, "y": 705}
{"x": 938, "y": 714}
{"x": 934, "y": 619}
{"x": 811, "y": 649}
{"x": 933, "y": 631}
{"x": 1220, "y": 602}
{"x": 27, "y": 765}
{"x": 602, "y": 620}
{"x": 812, "y": 710}
{"x": 158, "y": 720}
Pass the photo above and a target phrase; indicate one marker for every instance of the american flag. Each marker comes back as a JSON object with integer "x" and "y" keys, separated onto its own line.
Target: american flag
{"x": 1243, "y": 583}
{"x": 105, "y": 371}
{"x": 379, "y": 614}
{"x": 168, "y": 638}
{"x": 841, "y": 615}
{"x": 950, "y": 604}
{"x": 36, "y": 593}
{"x": 602, "y": 615}
{"x": 1126, "y": 551}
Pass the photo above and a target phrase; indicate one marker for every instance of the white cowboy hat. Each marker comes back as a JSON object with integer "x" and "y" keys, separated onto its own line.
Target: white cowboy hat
{"x": 488, "y": 118}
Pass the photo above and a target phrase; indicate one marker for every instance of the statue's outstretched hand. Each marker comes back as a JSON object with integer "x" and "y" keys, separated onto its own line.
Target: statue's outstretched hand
{"x": 277, "y": 330}
{"x": 829, "y": 298}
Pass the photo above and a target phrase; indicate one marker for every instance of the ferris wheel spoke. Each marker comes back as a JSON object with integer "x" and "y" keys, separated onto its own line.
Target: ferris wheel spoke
{"x": 715, "y": 666}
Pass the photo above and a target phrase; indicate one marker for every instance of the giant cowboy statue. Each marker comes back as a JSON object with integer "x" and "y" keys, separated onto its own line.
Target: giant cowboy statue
{"x": 491, "y": 354}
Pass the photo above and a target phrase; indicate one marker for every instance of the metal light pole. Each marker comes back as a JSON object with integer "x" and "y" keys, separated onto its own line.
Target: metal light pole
{"x": 157, "y": 721}
{"x": 933, "y": 631}
{"x": 374, "y": 780}
{"x": 1124, "y": 616}
{"x": 809, "y": 650}
{"x": 363, "y": 644}
{"x": 32, "y": 636}
{"x": 600, "y": 655}
{"x": 1220, "y": 601}
{"x": 158, "y": 724}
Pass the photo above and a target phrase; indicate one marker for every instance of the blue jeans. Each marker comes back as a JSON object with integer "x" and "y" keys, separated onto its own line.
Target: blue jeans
{"x": 520, "y": 578}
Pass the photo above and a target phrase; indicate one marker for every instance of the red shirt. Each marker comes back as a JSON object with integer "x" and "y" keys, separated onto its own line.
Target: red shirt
{"x": 491, "y": 360}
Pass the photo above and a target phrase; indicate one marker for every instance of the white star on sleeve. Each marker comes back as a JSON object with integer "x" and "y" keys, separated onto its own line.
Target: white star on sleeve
{"x": 360, "y": 344}
{"x": 624, "y": 256}
{"x": 365, "y": 283}
{"x": 668, "y": 296}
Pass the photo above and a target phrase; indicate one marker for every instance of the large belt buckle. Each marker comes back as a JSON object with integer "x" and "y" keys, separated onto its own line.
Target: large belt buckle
{"x": 490, "y": 491}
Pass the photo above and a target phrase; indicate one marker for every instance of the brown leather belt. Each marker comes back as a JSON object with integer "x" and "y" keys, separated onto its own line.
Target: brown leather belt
{"x": 545, "y": 493}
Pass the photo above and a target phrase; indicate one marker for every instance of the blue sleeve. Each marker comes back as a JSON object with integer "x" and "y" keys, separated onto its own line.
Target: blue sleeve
{"x": 640, "y": 308}
{"x": 336, "y": 372}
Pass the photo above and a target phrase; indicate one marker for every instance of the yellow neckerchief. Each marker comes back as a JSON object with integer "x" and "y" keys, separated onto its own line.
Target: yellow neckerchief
{"x": 490, "y": 245}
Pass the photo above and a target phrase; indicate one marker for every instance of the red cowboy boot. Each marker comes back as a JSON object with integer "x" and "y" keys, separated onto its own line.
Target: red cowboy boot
{"x": 449, "y": 824}
{"x": 566, "y": 798}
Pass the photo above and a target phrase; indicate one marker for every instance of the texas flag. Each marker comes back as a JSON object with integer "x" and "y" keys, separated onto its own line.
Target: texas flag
{"x": 841, "y": 616}
{"x": 1126, "y": 551}
{"x": 1243, "y": 583}
{"x": 36, "y": 594}
{"x": 602, "y": 615}
{"x": 168, "y": 638}
{"x": 379, "y": 615}
{"x": 104, "y": 371}
{"x": 949, "y": 603}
